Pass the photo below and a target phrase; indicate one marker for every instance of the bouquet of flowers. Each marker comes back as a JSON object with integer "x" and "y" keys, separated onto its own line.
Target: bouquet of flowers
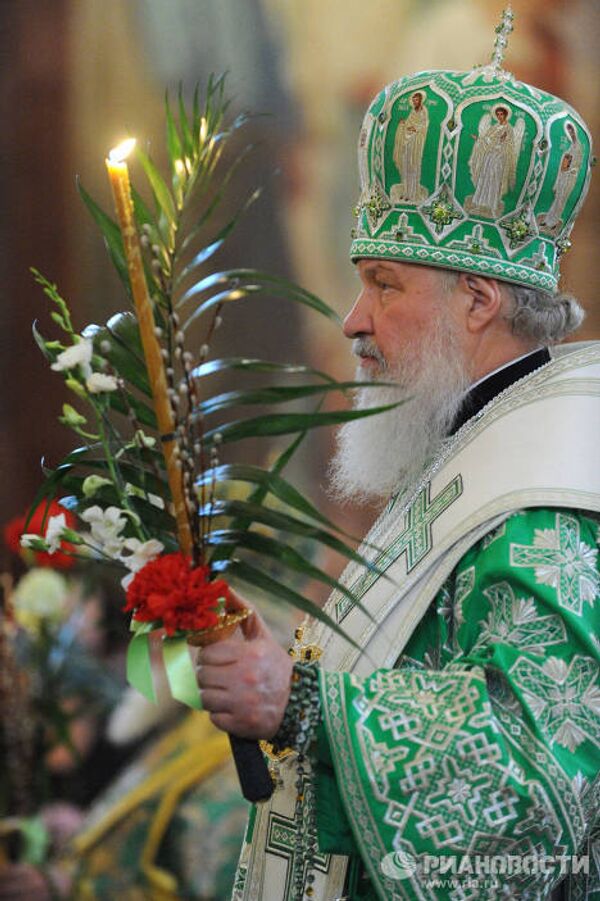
{"x": 51, "y": 682}
{"x": 149, "y": 482}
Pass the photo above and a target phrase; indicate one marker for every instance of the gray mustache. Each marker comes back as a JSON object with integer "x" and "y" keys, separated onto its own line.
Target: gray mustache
{"x": 366, "y": 347}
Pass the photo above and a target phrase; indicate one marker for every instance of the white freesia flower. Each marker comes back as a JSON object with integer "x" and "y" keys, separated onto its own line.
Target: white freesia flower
{"x": 79, "y": 354}
{"x": 99, "y": 382}
{"x": 42, "y": 596}
{"x": 56, "y": 526}
{"x": 106, "y": 527}
{"x": 31, "y": 540}
{"x": 142, "y": 552}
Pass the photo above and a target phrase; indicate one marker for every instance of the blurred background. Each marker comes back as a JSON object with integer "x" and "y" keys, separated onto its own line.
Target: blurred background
{"x": 78, "y": 75}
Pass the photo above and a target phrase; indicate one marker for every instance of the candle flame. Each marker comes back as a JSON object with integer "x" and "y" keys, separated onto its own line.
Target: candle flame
{"x": 120, "y": 153}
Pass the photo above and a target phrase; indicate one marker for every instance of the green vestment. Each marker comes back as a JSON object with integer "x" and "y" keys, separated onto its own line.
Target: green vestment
{"x": 484, "y": 743}
{"x": 461, "y": 731}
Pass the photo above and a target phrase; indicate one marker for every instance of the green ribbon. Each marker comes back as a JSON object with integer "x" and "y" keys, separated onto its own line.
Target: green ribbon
{"x": 180, "y": 672}
{"x": 139, "y": 669}
{"x": 36, "y": 840}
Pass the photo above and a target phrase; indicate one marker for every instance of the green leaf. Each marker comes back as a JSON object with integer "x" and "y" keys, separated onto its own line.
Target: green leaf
{"x": 272, "y": 482}
{"x": 124, "y": 402}
{"x": 277, "y": 590}
{"x": 253, "y": 280}
{"x": 201, "y": 257}
{"x": 173, "y": 139}
{"x": 47, "y": 491}
{"x": 261, "y": 490}
{"x": 143, "y": 216}
{"x": 76, "y": 466}
{"x": 158, "y": 523}
{"x": 280, "y": 521}
{"x": 112, "y": 236}
{"x": 229, "y": 296}
{"x": 215, "y": 105}
{"x": 125, "y": 353}
{"x": 287, "y": 423}
{"x": 286, "y": 455}
{"x": 196, "y": 118}
{"x": 41, "y": 343}
{"x": 162, "y": 195}
{"x": 206, "y": 252}
{"x": 273, "y": 394}
{"x": 247, "y": 364}
{"x": 186, "y": 134}
{"x": 216, "y": 200}
{"x": 266, "y": 546}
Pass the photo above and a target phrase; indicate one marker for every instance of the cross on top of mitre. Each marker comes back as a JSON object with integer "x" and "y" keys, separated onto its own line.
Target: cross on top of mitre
{"x": 503, "y": 31}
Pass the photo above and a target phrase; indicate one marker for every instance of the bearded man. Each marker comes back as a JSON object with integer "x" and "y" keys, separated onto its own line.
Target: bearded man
{"x": 452, "y": 750}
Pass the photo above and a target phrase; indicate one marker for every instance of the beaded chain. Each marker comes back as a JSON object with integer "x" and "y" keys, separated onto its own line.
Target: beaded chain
{"x": 297, "y": 731}
{"x": 303, "y": 712}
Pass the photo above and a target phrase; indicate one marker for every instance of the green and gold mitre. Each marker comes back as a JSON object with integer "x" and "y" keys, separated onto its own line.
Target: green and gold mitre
{"x": 473, "y": 171}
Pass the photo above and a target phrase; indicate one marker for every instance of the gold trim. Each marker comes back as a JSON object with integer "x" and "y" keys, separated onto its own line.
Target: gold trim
{"x": 228, "y": 622}
{"x": 200, "y": 728}
{"x": 199, "y": 763}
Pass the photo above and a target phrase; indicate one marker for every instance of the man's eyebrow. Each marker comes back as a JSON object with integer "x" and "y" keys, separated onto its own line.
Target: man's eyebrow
{"x": 379, "y": 266}
{"x": 371, "y": 265}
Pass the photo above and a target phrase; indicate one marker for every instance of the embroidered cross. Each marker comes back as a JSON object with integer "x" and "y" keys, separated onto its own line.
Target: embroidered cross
{"x": 563, "y": 561}
{"x": 415, "y": 540}
{"x": 416, "y": 537}
{"x": 281, "y": 840}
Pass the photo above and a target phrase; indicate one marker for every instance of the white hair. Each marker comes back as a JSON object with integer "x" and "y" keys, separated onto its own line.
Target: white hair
{"x": 535, "y": 315}
{"x": 543, "y": 318}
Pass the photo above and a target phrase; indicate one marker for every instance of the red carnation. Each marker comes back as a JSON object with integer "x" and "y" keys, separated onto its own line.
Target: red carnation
{"x": 37, "y": 526}
{"x": 170, "y": 591}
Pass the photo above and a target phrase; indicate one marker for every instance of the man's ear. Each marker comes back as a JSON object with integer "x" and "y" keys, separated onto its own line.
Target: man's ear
{"x": 483, "y": 301}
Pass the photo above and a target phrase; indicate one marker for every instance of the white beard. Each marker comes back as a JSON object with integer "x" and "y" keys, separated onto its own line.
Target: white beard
{"x": 382, "y": 454}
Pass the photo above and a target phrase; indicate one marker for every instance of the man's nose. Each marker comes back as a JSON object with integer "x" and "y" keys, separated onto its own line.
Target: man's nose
{"x": 359, "y": 320}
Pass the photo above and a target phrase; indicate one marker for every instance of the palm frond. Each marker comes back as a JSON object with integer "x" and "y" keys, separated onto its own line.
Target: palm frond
{"x": 179, "y": 216}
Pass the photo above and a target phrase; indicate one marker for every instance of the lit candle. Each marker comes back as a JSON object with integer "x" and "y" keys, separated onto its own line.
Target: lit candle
{"x": 119, "y": 179}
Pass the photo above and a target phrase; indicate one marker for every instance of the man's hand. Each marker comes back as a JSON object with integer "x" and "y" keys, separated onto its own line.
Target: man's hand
{"x": 245, "y": 681}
